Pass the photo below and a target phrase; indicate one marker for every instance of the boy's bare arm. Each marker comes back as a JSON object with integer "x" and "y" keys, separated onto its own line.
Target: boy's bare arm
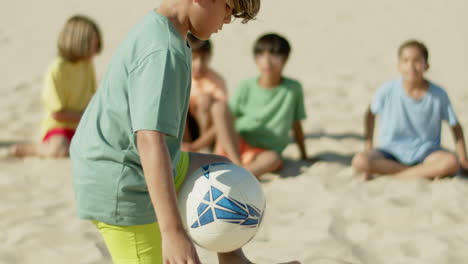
{"x": 369, "y": 129}
{"x": 67, "y": 116}
{"x": 299, "y": 138}
{"x": 460, "y": 145}
{"x": 157, "y": 169}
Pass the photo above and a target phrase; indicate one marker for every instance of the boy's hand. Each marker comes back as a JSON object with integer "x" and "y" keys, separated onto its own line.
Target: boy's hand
{"x": 177, "y": 248}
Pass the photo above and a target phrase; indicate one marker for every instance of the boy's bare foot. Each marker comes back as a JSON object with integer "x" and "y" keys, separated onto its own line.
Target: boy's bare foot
{"x": 367, "y": 177}
{"x": 19, "y": 151}
{"x": 15, "y": 151}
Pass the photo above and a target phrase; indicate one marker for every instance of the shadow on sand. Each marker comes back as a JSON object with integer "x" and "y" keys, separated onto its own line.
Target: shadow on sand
{"x": 6, "y": 144}
{"x": 339, "y": 136}
{"x": 292, "y": 168}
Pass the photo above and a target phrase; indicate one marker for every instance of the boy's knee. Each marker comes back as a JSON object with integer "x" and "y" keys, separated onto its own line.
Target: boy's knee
{"x": 361, "y": 162}
{"x": 276, "y": 161}
{"x": 450, "y": 164}
{"x": 279, "y": 162}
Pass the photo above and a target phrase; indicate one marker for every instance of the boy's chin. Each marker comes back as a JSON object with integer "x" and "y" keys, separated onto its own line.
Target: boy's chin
{"x": 201, "y": 36}
{"x": 270, "y": 74}
{"x": 413, "y": 79}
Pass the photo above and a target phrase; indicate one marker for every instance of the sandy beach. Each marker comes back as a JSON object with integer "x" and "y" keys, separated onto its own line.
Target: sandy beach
{"x": 342, "y": 51}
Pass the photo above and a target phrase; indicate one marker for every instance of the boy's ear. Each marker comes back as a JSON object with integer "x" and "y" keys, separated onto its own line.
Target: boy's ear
{"x": 427, "y": 66}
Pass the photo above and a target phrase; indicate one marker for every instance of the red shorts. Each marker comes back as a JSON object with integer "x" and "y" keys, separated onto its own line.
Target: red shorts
{"x": 247, "y": 152}
{"x": 65, "y": 132}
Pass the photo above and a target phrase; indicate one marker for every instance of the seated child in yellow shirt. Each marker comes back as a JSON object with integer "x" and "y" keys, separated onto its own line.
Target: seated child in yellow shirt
{"x": 69, "y": 86}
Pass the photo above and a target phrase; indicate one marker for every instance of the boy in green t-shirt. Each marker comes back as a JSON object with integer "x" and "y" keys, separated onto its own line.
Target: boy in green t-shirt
{"x": 254, "y": 128}
{"x": 126, "y": 154}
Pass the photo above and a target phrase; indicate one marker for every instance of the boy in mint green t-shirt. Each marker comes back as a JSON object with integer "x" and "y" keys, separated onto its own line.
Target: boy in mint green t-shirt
{"x": 126, "y": 153}
{"x": 254, "y": 129}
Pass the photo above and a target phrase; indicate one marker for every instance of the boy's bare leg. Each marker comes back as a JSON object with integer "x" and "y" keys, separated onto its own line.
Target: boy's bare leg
{"x": 55, "y": 147}
{"x": 437, "y": 165}
{"x": 187, "y": 133}
{"x": 373, "y": 162}
{"x": 203, "y": 114}
{"x": 226, "y": 135}
{"x": 264, "y": 162}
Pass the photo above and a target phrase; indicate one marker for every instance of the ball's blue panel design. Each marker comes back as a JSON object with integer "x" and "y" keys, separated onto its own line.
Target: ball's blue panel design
{"x": 234, "y": 222}
{"x": 250, "y": 222}
{"x": 207, "y": 217}
{"x": 195, "y": 225}
{"x": 231, "y": 205}
{"x": 226, "y": 209}
{"x": 253, "y": 211}
{"x": 227, "y": 215}
{"x": 207, "y": 172}
{"x": 215, "y": 193}
{"x": 201, "y": 208}
{"x": 207, "y": 197}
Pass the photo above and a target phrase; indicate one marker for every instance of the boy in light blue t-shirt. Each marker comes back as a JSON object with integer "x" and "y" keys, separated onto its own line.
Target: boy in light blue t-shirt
{"x": 411, "y": 110}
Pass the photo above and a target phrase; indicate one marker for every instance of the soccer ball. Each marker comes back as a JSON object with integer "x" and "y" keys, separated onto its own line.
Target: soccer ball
{"x": 221, "y": 206}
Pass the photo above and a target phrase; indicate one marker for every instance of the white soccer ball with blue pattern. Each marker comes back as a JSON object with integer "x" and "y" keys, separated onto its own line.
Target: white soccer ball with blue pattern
{"x": 221, "y": 206}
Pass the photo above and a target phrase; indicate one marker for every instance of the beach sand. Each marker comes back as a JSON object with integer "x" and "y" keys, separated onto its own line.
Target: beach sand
{"x": 316, "y": 213}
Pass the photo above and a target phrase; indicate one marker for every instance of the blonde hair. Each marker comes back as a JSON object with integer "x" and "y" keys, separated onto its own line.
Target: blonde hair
{"x": 75, "y": 39}
{"x": 246, "y": 9}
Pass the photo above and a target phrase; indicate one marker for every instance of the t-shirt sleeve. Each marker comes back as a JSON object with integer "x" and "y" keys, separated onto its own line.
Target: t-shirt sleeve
{"x": 299, "y": 113}
{"x": 378, "y": 101}
{"x": 54, "y": 93}
{"x": 156, "y": 93}
{"x": 236, "y": 100}
{"x": 448, "y": 113}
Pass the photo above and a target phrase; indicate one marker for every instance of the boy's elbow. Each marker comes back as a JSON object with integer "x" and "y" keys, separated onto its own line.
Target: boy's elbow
{"x": 149, "y": 137}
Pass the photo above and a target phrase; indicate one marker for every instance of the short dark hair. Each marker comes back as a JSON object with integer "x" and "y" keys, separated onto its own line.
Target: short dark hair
{"x": 416, "y": 44}
{"x": 198, "y": 45}
{"x": 272, "y": 43}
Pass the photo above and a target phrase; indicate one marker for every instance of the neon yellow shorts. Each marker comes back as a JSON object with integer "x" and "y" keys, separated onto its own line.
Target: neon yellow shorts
{"x": 139, "y": 244}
